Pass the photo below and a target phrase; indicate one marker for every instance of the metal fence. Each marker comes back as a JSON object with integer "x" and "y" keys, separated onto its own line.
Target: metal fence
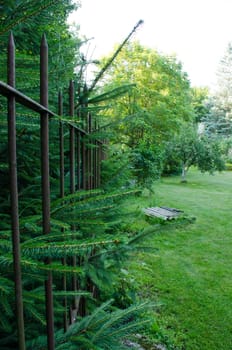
{"x": 84, "y": 168}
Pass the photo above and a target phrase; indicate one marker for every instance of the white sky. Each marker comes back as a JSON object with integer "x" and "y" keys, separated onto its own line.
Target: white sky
{"x": 197, "y": 31}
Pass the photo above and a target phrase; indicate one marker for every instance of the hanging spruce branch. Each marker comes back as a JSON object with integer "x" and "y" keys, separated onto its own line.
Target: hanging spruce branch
{"x": 110, "y": 61}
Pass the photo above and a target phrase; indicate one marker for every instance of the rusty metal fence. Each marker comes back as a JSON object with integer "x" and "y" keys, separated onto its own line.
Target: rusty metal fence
{"x": 84, "y": 167}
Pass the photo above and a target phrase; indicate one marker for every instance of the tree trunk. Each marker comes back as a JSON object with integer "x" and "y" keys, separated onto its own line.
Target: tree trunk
{"x": 183, "y": 173}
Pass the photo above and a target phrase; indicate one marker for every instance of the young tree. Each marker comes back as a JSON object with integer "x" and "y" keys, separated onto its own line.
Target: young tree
{"x": 188, "y": 149}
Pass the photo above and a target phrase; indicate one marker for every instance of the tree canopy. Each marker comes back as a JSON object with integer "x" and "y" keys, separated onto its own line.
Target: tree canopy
{"x": 29, "y": 20}
{"x": 218, "y": 120}
{"x": 158, "y": 102}
{"x": 189, "y": 148}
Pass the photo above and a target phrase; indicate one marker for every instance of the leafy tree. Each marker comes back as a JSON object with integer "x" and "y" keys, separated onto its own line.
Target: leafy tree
{"x": 158, "y": 102}
{"x": 188, "y": 149}
{"x": 199, "y": 98}
{"x": 210, "y": 155}
{"x": 151, "y": 111}
{"x": 185, "y": 149}
{"x": 147, "y": 163}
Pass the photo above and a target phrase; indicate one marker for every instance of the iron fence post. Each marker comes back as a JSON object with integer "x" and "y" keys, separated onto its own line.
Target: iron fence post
{"x": 79, "y": 160}
{"x": 72, "y": 190}
{"x": 61, "y": 142}
{"x": 84, "y": 167}
{"x": 61, "y": 138}
{"x": 14, "y": 196}
{"x": 44, "y": 125}
{"x": 72, "y": 139}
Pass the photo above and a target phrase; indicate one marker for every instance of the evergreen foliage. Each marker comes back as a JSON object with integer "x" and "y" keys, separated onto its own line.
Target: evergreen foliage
{"x": 104, "y": 329}
{"x": 218, "y": 120}
{"x": 88, "y": 242}
{"x": 144, "y": 103}
{"x": 87, "y": 224}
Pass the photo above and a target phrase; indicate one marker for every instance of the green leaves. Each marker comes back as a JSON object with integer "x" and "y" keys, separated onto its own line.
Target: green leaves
{"x": 189, "y": 148}
{"x": 112, "y": 94}
{"x": 161, "y": 97}
{"x": 64, "y": 248}
{"x": 105, "y": 329}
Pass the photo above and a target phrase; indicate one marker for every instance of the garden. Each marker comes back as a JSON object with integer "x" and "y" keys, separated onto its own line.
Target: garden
{"x": 81, "y": 264}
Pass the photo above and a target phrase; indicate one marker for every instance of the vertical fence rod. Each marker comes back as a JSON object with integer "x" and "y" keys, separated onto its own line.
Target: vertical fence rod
{"x": 61, "y": 135}
{"x": 14, "y": 196}
{"x": 100, "y": 158}
{"x": 61, "y": 142}
{"x": 89, "y": 151}
{"x": 79, "y": 160}
{"x": 72, "y": 139}
{"x": 72, "y": 190}
{"x": 83, "y": 150}
{"x": 95, "y": 159}
{"x": 44, "y": 125}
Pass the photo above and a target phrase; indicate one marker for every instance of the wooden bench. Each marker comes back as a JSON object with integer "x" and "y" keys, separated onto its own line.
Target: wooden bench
{"x": 164, "y": 213}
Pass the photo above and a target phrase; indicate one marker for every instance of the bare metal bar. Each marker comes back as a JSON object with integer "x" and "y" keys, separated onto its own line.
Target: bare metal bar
{"x": 61, "y": 134}
{"x": 97, "y": 165}
{"x": 87, "y": 154}
{"x": 65, "y": 303}
{"x": 100, "y": 158}
{"x": 90, "y": 155}
{"x": 14, "y": 197}
{"x": 44, "y": 125}
{"x": 79, "y": 160}
{"x": 77, "y": 128}
{"x": 72, "y": 139}
{"x": 7, "y": 90}
{"x": 83, "y": 164}
{"x": 72, "y": 190}
{"x": 95, "y": 158}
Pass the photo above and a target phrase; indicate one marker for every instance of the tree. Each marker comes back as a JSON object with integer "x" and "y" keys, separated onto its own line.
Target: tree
{"x": 159, "y": 101}
{"x": 224, "y": 83}
{"x": 189, "y": 148}
{"x": 218, "y": 120}
{"x": 83, "y": 224}
{"x": 29, "y": 20}
{"x": 199, "y": 98}
{"x": 215, "y": 122}
{"x": 151, "y": 111}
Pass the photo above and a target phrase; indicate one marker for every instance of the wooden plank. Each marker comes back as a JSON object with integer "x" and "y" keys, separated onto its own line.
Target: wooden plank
{"x": 163, "y": 212}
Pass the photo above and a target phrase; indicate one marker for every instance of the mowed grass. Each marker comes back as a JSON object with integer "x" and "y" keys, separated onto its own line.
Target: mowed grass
{"x": 190, "y": 268}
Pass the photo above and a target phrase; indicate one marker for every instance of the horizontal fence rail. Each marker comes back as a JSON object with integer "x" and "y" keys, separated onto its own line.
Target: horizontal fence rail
{"x": 83, "y": 166}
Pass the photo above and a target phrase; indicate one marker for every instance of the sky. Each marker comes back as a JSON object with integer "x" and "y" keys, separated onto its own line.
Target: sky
{"x": 196, "y": 31}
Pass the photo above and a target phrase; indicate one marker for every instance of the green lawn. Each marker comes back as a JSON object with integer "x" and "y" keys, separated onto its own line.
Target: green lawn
{"x": 190, "y": 273}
